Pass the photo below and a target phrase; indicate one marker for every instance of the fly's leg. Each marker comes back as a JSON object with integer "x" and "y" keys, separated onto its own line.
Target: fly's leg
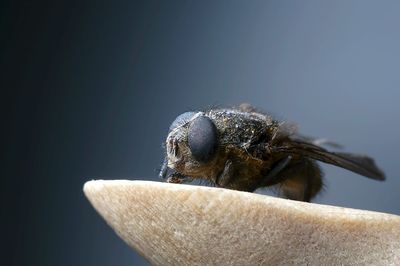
{"x": 231, "y": 178}
{"x": 226, "y": 176}
{"x": 273, "y": 177}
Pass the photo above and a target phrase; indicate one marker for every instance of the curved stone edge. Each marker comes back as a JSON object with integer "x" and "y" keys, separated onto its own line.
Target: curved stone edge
{"x": 162, "y": 221}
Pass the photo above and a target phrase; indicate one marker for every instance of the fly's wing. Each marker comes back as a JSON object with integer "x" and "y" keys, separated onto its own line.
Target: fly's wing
{"x": 359, "y": 164}
{"x": 318, "y": 141}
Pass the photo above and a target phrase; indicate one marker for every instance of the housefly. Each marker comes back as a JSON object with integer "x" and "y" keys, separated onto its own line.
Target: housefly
{"x": 244, "y": 149}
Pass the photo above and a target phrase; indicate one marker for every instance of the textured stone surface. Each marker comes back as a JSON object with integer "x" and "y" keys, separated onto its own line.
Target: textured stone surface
{"x": 172, "y": 224}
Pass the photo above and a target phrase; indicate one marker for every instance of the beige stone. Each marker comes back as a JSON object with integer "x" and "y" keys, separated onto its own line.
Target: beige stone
{"x": 171, "y": 224}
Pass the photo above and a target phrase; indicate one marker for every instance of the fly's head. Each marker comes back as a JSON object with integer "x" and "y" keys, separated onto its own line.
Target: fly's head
{"x": 192, "y": 144}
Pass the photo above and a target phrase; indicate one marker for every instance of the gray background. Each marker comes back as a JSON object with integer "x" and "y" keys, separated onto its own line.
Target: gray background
{"x": 91, "y": 88}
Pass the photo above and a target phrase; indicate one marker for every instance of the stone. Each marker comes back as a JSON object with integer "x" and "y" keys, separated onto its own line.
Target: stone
{"x": 175, "y": 224}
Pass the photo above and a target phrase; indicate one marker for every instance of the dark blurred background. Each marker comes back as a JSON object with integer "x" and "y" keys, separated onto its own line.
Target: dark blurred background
{"x": 90, "y": 88}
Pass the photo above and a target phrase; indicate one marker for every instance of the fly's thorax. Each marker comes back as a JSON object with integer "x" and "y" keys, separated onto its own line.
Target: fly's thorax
{"x": 241, "y": 128}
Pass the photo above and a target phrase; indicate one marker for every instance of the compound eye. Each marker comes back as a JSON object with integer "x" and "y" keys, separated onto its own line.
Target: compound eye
{"x": 202, "y": 139}
{"x": 181, "y": 119}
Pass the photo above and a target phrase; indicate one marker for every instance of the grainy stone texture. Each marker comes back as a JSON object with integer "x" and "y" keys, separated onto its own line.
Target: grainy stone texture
{"x": 172, "y": 224}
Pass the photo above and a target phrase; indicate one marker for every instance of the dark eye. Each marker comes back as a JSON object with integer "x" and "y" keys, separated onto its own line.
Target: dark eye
{"x": 202, "y": 139}
{"x": 181, "y": 119}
